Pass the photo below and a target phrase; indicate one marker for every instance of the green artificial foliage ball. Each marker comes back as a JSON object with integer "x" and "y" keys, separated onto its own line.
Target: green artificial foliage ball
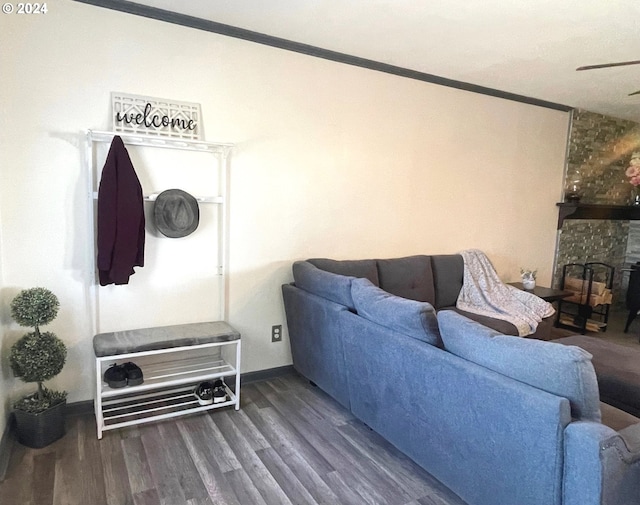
{"x": 34, "y": 307}
{"x": 38, "y": 357}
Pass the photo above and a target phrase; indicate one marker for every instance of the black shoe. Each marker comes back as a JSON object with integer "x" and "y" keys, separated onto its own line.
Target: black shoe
{"x": 219, "y": 391}
{"x": 204, "y": 393}
{"x": 134, "y": 374}
{"x": 115, "y": 376}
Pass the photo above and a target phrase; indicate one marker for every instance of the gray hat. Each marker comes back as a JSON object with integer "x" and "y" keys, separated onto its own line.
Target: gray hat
{"x": 176, "y": 213}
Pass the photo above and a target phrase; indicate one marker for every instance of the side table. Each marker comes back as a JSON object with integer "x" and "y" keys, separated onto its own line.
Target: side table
{"x": 547, "y": 294}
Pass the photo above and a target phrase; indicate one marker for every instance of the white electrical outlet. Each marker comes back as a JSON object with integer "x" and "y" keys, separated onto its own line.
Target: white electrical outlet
{"x": 276, "y": 333}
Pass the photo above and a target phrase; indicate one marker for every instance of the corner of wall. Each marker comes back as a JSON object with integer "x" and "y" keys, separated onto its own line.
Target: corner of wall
{"x": 4, "y": 411}
{"x": 6, "y": 440}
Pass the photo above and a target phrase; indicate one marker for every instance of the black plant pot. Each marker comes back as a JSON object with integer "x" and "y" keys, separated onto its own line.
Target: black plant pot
{"x": 41, "y": 429}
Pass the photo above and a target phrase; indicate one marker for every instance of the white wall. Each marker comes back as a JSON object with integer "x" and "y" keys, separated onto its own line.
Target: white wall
{"x": 331, "y": 160}
{"x": 4, "y": 349}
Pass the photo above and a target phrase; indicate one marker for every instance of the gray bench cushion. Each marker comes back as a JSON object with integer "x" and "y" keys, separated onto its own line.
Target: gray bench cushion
{"x": 162, "y": 337}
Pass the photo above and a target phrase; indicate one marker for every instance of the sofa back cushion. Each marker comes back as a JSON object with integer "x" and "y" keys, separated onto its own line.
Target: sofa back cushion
{"x": 408, "y": 277}
{"x": 353, "y": 268}
{"x": 328, "y": 285}
{"x": 562, "y": 370}
{"x": 409, "y": 317}
{"x": 448, "y": 273}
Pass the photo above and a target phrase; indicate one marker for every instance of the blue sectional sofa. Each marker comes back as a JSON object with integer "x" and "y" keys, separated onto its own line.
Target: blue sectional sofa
{"x": 500, "y": 420}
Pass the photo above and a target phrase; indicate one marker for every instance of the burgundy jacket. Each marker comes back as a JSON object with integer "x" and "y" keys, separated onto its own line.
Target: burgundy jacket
{"x": 120, "y": 218}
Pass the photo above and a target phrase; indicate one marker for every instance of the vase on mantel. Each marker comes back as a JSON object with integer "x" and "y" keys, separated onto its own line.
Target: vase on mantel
{"x": 573, "y": 188}
{"x": 635, "y": 196}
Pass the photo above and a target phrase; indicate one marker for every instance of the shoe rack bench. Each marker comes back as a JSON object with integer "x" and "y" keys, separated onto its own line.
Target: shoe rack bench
{"x": 174, "y": 360}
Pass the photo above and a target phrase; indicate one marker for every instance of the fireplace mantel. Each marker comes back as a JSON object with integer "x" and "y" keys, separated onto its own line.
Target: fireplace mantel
{"x": 570, "y": 210}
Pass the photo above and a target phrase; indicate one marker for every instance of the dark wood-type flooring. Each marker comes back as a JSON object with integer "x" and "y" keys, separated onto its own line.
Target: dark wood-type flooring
{"x": 289, "y": 444}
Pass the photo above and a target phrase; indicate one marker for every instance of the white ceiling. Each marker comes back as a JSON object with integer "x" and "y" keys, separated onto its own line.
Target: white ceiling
{"x": 526, "y": 47}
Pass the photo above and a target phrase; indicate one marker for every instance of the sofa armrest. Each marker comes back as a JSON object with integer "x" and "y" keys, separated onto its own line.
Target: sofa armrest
{"x": 602, "y": 466}
{"x": 315, "y": 337}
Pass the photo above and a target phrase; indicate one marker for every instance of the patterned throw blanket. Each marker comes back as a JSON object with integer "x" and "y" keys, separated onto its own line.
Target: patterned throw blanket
{"x": 485, "y": 294}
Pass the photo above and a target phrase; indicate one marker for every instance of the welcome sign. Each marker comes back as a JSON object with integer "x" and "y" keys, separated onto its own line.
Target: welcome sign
{"x": 145, "y": 115}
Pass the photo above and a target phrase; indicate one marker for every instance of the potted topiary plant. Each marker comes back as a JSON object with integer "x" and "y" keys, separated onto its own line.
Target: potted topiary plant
{"x": 37, "y": 357}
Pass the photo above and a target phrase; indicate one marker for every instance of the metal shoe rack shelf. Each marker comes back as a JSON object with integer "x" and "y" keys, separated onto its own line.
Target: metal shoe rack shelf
{"x": 170, "y": 377}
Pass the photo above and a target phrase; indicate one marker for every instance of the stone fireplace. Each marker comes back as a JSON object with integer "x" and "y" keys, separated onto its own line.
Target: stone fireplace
{"x": 598, "y": 155}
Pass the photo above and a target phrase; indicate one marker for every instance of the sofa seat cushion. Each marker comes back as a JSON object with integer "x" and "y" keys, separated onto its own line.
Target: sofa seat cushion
{"x": 408, "y": 277}
{"x": 499, "y": 325}
{"x": 409, "y": 317}
{"x": 617, "y": 368}
{"x": 562, "y": 370}
{"x": 334, "y": 287}
{"x": 616, "y": 419}
{"x": 543, "y": 331}
{"x": 366, "y": 269}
